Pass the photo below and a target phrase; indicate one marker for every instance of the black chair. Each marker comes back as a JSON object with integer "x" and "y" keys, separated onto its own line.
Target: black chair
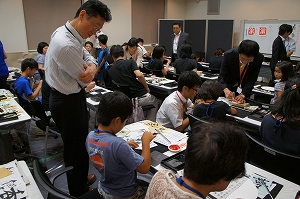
{"x": 213, "y": 70}
{"x": 124, "y": 88}
{"x": 42, "y": 121}
{"x": 157, "y": 73}
{"x": 42, "y": 178}
{"x": 145, "y": 69}
{"x": 193, "y": 119}
{"x": 172, "y": 76}
{"x": 274, "y": 161}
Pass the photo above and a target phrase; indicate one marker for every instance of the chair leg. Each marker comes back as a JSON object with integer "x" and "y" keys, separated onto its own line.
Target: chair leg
{"x": 46, "y": 140}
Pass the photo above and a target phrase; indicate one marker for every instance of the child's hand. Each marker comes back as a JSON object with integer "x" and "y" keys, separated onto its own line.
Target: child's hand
{"x": 132, "y": 144}
{"x": 147, "y": 137}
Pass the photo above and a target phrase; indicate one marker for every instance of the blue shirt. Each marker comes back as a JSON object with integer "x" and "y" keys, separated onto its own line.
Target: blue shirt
{"x": 23, "y": 89}
{"x": 116, "y": 162}
{"x": 103, "y": 55}
{"x": 3, "y": 67}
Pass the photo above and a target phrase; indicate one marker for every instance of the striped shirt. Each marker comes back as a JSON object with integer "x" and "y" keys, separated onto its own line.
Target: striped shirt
{"x": 64, "y": 60}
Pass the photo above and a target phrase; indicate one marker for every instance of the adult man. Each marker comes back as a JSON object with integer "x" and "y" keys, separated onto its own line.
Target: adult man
{"x": 172, "y": 113}
{"x": 126, "y": 72}
{"x": 279, "y": 52}
{"x": 240, "y": 69}
{"x": 178, "y": 39}
{"x": 290, "y": 44}
{"x": 69, "y": 68}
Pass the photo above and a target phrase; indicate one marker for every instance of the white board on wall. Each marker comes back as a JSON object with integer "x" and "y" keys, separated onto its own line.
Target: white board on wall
{"x": 265, "y": 31}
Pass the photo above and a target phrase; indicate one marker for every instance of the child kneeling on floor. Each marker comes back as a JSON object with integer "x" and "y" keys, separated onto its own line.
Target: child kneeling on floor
{"x": 112, "y": 156}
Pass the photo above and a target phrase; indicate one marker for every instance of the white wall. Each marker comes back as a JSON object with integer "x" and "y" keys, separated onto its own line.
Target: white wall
{"x": 12, "y": 23}
{"x": 175, "y": 9}
{"x": 245, "y": 9}
{"x": 119, "y": 29}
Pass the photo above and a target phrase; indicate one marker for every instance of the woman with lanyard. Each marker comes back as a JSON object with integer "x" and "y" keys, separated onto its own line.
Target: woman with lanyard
{"x": 239, "y": 70}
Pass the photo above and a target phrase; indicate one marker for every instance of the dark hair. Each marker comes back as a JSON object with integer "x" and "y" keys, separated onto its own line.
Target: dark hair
{"x": 289, "y": 104}
{"x": 283, "y": 28}
{"x": 177, "y": 23}
{"x": 102, "y": 39}
{"x": 219, "y": 51}
{"x": 139, "y": 40}
{"x": 185, "y": 51}
{"x": 210, "y": 89}
{"x": 29, "y": 62}
{"x": 158, "y": 52}
{"x": 286, "y": 68}
{"x": 189, "y": 79}
{"x": 95, "y": 8}
{"x": 40, "y": 47}
{"x": 88, "y": 42}
{"x": 112, "y": 105}
{"x": 215, "y": 151}
{"x": 248, "y": 48}
{"x": 116, "y": 51}
{"x": 132, "y": 42}
{"x": 297, "y": 67}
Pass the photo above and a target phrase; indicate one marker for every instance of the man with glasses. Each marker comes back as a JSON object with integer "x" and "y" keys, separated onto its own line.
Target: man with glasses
{"x": 68, "y": 69}
{"x": 239, "y": 70}
{"x": 173, "y": 111}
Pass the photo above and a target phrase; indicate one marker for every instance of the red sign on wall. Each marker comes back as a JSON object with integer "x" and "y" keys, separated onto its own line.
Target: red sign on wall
{"x": 262, "y": 31}
{"x": 251, "y": 31}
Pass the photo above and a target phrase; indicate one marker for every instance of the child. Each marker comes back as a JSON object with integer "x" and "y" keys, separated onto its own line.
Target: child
{"x": 283, "y": 71}
{"x": 185, "y": 63}
{"x": 22, "y": 84}
{"x": 215, "y": 155}
{"x": 102, "y": 63}
{"x": 88, "y": 46}
{"x": 111, "y": 155}
{"x": 157, "y": 60}
{"x": 207, "y": 106}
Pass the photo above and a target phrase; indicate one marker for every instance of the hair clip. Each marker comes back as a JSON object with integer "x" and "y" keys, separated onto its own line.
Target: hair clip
{"x": 293, "y": 87}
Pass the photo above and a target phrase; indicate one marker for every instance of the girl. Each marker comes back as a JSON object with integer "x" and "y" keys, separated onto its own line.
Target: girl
{"x": 283, "y": 71}
{"x": 185, "y": 63}
{"x": 157, "y": 60}
{"x": 207, "y": 104}
{"x": 281, "y": 128}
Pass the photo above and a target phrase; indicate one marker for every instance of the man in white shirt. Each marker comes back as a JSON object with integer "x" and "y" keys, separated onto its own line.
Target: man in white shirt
{"x": 173, "y": 111}
{"x": 68, "y": 69}
{"x": 140, "y": 42}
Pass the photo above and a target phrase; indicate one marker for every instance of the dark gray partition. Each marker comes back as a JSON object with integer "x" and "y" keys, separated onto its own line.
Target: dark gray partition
{"x": 219, "y": 35}
{"x": 165, "y": 31}
{"x": 196, "y": 30}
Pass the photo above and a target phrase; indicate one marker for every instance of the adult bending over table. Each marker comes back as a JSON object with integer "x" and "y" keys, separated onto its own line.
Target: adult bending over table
{"x": 239, "y": 70}
{"x": 68, "y": 68}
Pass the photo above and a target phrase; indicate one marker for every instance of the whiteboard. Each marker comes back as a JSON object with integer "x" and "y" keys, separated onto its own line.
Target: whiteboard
{"x": 265, "y": 31}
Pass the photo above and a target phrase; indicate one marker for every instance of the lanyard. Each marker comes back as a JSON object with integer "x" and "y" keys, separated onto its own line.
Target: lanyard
{"x": 96, "y": 130}
{"x": 181, "y": 182}
{"x": 69, "y": 30}
{"x": 207, "y": 110}
{"x": 180, "y": 99}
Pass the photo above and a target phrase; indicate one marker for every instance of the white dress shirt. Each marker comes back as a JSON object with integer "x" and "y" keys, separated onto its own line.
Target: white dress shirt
{"x": 64, "y": 60}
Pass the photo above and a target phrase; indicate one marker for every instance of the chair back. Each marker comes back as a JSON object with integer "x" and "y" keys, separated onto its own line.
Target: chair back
{"x": 274, "y": 161}
{"x": 42, "y": 178}
{"x": 38, "y": 111}
{"x": 145, "y": 69}
{"x": 124, "y": 88}
{"x": 172, "y": 76}
{"x": 157, "y": 73}
{"x": 213, "y": 70}
{"x": 193, "y": 119}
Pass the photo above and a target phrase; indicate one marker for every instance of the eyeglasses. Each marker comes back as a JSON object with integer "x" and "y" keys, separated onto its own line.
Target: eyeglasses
{"x": 195, "y": 89}
{"x": 95, "y": 27}
{"x": 246, "y": 60}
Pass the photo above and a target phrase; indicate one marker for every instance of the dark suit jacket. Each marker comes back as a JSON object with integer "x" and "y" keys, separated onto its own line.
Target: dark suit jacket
{"x": 184, "y": 38}
{"x": 278, "y": 52}
{"x": 230, "y": 72}
{"x": 216, "y": 61}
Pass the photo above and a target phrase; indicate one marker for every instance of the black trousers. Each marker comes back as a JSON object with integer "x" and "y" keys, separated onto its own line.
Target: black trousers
{"x": 71, "y": 117}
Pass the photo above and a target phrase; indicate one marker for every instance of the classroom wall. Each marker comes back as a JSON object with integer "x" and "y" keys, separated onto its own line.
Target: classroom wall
{"x": 12, "y": 26}
{"x": 244, "y": 9}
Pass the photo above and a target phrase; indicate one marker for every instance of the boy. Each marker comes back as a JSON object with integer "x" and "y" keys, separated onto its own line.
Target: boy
{"x": 112, "y": 156}
{"x": 214, "y": 156}
{"x": 173, "y": 111}
{"x": 22, "y": 84}
{"x": 102, "y": 63}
